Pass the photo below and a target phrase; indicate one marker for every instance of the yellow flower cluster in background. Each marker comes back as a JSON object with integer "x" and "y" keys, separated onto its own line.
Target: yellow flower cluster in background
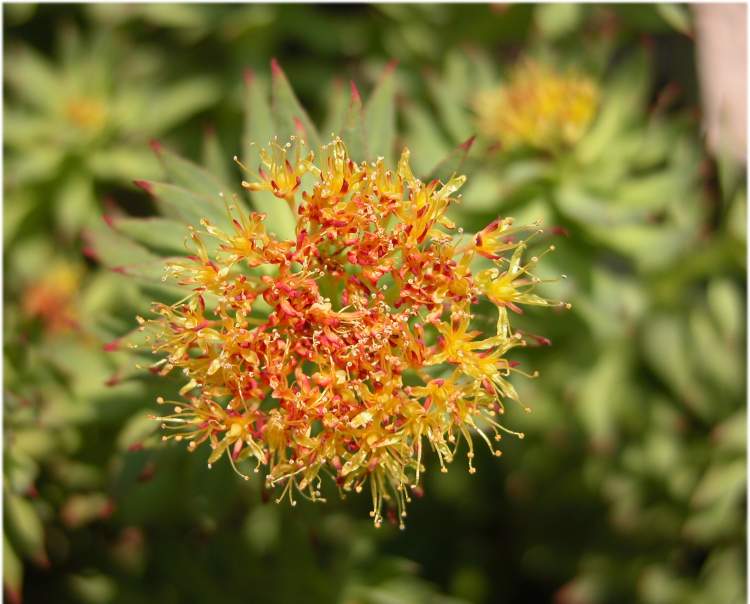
{"x": 538, "y": 107}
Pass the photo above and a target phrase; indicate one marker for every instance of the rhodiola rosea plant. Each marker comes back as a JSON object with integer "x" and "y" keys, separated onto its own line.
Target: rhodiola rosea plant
{"x": 323, "y": 314}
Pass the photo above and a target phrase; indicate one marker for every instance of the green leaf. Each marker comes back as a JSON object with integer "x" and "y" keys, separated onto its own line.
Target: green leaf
{"x": 667, "y": 350}
{"x": 124, "y": 162}
{"x": 25, "y": 527}
{"x": 76, "y": 204}
{"x": 601, "y": 393}
{"x": 93, "y": 589}
{"x": 214, "y": 157}
{"x": 290, "y": 118}
{"x": 624, "y": 97}
{"x": 557, "y": 20}
{"x": 426, "y": 141}
{"x": 353, "y": 131}
{"x": 726, "y": 306}
{"x": 259, "y": 131}
{"x": 12, "y": 572}
{"x": 178, "y": 102}
{"x": 154, "y": 233}
{"x": 712, "y": 356}
{"x": 124, "y": 256}
{"x": 259, "y": 127}
{"x": 187, "y": 206}
{"x": 451, "y": 93}
{"x": 452, "y": 165}
{"x": 337, "y": 108}
{"x": 189, "y": 175}
{"x": 676, "y": 15}
{"x": 32, "y": 78}
{"x": 136, "y": 430}
{"x": 380, "y": 117}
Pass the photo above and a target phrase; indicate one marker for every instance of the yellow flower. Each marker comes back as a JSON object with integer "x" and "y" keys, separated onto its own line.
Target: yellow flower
{"x": 538, "y": 107}
{"x": 317, "y": 356}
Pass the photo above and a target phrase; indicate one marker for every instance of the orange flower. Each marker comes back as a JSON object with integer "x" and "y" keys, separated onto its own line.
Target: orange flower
{"x": 51, "y": 299}
{"x": 317, "y": 356}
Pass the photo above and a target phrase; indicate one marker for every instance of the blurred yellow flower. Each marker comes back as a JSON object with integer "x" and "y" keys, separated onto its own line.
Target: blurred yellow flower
{"x": 538, "y": 107}
{"x": 87, "y": 114}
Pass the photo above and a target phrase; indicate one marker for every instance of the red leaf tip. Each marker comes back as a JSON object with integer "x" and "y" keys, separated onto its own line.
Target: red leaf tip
{"x": 276, "y": 68}
{"x": 144, "y": 184}
{"x": 466, "y": 145}
{"x": 300, "y": 127}
{"x": 249, "y": 75}
{"x": 356, "y": 97}
{"x": 391, "y": 66}
{"x": 111, "y": 346}
{"x": 156, "y": 145}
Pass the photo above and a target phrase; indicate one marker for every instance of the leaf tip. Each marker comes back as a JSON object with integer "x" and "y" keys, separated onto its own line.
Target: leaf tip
{"x": 14, "y": 594}
{"x": 276, "y": 68}
{"x": 156, "y": 146}
{"x": 390, "y": 67}
{"x": 559, "y": 230}
{"x": 248, "y": 75}
{"x": 111, "y": 346}
{"x": 356, "y": 97}
{"x": 145, "y": 185}
{"x": 467, "y": 144}
{"x": 299, "y": 127}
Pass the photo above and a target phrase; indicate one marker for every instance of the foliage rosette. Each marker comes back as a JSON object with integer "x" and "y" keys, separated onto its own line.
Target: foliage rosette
{"x": 346, "y": 344}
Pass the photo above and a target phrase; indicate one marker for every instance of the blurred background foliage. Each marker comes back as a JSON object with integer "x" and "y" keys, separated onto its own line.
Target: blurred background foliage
{"x": 630, "y": 485}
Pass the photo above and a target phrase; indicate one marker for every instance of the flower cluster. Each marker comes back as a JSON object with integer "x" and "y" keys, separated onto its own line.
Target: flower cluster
{"x": 538, "y": 107}
{"x": 51, "y": 299}
{"x": 350, "y": 349}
